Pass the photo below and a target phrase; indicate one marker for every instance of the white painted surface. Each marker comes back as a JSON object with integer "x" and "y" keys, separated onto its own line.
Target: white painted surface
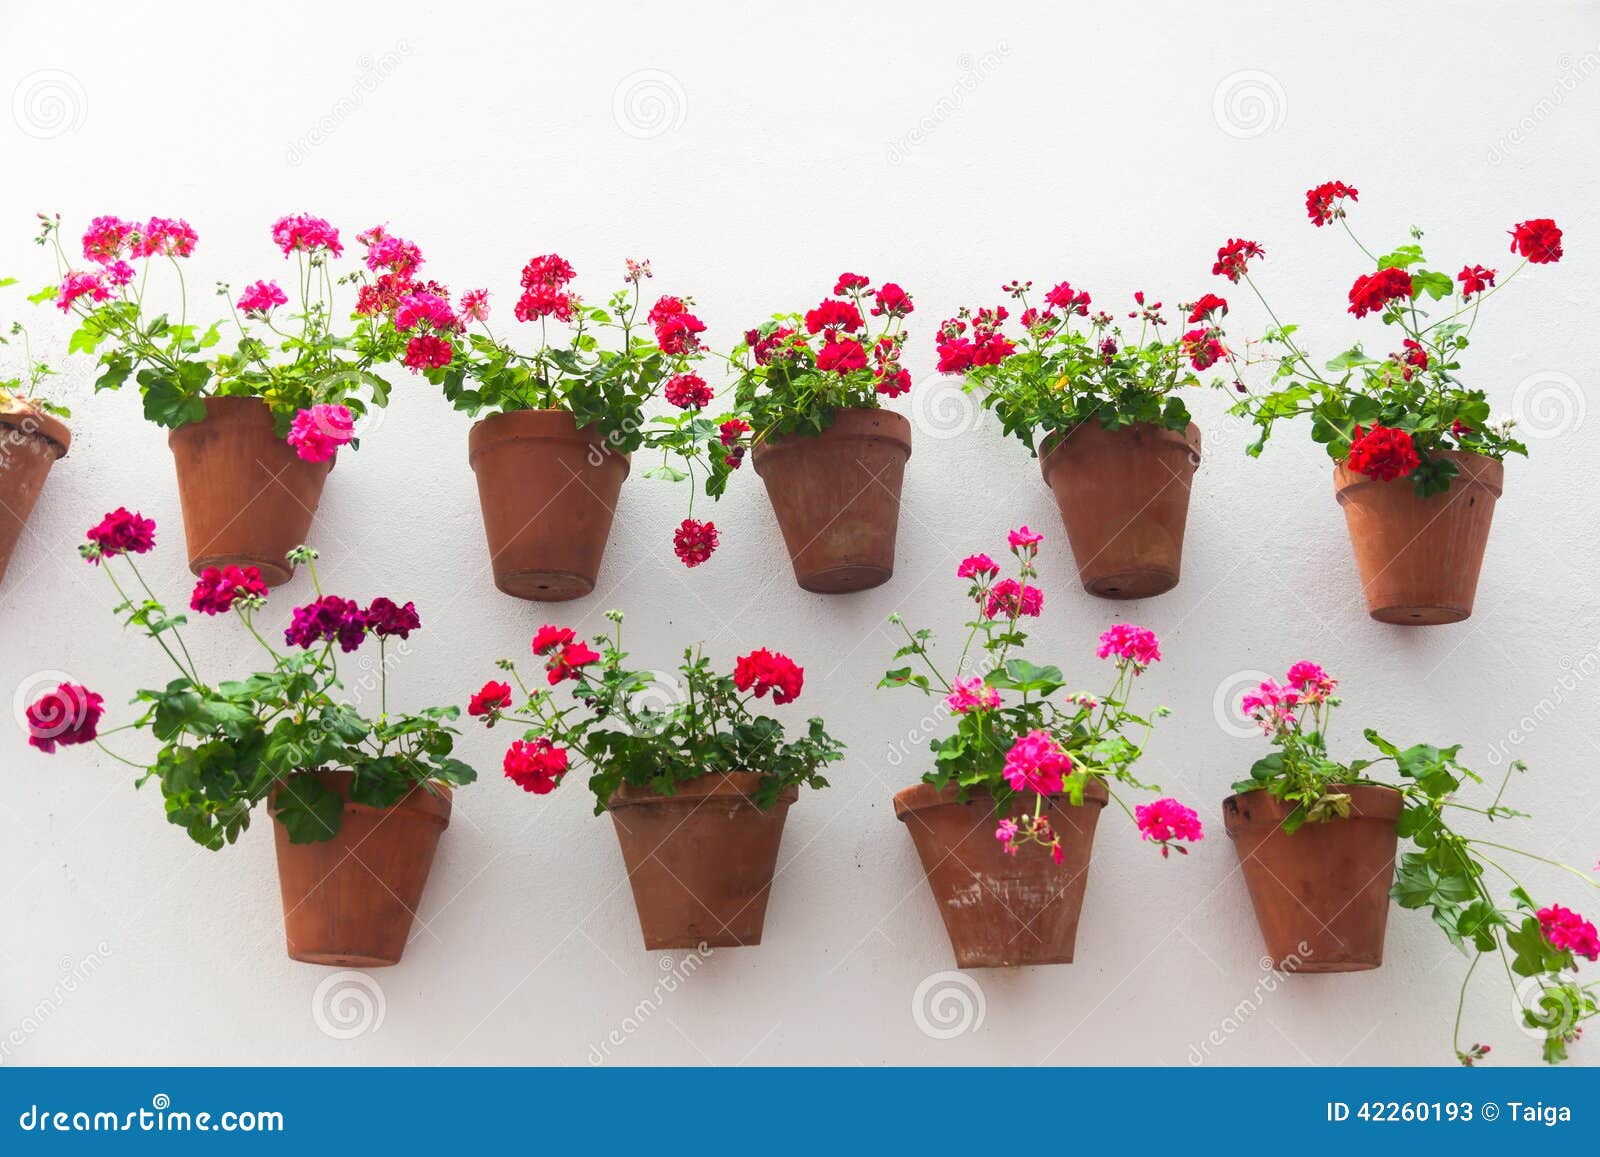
{"x": 948, "y": 148}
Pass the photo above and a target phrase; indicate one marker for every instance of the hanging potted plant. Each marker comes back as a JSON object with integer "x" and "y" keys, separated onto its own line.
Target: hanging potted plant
{"x": 1317, "y": 839}
{"x": 1004, "y": 822}
{"x": 32, "y": 437}
{"x": 360, "y": 803}
{"x": 1418, "y": 463}
{"x": 561, "y": 422}
{"x": 254, "y": 432}
{"x": 697, "y": 784}
{"x": 833, "y": 460}
{"x": 1103, "y": 414}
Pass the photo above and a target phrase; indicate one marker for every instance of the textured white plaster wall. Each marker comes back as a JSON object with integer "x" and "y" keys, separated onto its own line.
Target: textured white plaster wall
{"x": 949, "y": 147}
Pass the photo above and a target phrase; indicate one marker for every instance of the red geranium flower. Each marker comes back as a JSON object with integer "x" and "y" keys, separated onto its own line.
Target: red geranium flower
{"x": 1383, "y": 453}
{"x": 1474, "y": 280}
{"x": 548, "y": 638}
{"x": 1538, "y": 240}
{"x": 676, "y": 328}
{"x": 569, "y": 662}
{"x": 765, "y": 671}
{"x": 1202, "y": 348}
{"x": 848, "y": 282}
{"x": 491, "y": 700}
{"x": 385, "y": 617}
{"x": 1372, "y": 291}
{"x": 537, "y": 767}
{"x": 833, "y": 314}
{"x": 69, "y": 715}
{"x": 1325, "y": 202}
{"x": 842, "y": 356}
{"x": 687, "y": 391}
{"x": 1066, "y": 299}
{"x": 1208, "y": 304}
{"x": 731, "y": 430}
{"x": 120, "y": 533}
{"x": 1234, "y": 257}
{"x": 891, "y": 301}
{"x": 220, "y": 587}
{"x": 694, "y": 541}
{"x": 426, "y": 352}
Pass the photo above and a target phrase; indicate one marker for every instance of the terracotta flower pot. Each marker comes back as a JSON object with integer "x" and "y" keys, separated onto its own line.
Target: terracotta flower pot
{"x": 837, "y": 498}
{"x": 1321, "y": 894}
{"x": 1001, "y": 911}
{"x": 349, "y": 900}
{"x": 548, "y": 492}
{"x": 1419, "y": 557}
{"x": 248, "y": 498}
{"x": 701, "y": 861}
{"x": 30, "y": 443}
{"x": 1124, "y": 499}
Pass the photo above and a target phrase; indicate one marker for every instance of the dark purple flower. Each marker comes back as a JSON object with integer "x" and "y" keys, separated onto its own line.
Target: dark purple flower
{"x": 386, "y": 618}
{"x": 328, "y": 619}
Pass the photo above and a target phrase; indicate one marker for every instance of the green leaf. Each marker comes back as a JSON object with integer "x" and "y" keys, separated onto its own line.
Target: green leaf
{"x": 309, "y": 811}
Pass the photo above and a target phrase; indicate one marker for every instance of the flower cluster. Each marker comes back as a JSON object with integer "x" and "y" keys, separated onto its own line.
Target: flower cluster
{"x": 119, "y": 532}
{"x": 1397, "y": 416}
{"x": 331, "y": 619}
{"x": 847, "y": 351}
{"x": 310, "y": 374}
{"x": 1444, "y": 871}
{"x": 227, "y": 745}
{"x": 628, "y": 732}
{"x": 1060, "y": 372}
{"x": 1044, "y": 744}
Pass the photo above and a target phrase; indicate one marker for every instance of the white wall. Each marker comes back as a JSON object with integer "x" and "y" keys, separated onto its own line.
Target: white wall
{"x": 945, "y": 146}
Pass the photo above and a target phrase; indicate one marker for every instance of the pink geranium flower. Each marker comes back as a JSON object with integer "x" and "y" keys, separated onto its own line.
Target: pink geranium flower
{"x": 1136, "y": 645}
{"x": 1166, "y": 820}
{"x": 972, "y": 695}
{"x": 1036, "y": 762}
{"x": 316, "y": 434}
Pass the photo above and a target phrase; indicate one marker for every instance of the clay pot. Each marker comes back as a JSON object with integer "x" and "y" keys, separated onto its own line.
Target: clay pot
{"x": 548, "y": 491}
{"x": 30, "y": 443}
{"x": 1002, "y": 911}
{"x": 1321, "y": 894}
{"x": 837, "y": 498}
{"x": 349, "y": 900}
{"x": 1419, "y": 557}
{"x": 701, "y": 861}
{"x": 1124, "y": 499}
{"x": 248, "y": 498}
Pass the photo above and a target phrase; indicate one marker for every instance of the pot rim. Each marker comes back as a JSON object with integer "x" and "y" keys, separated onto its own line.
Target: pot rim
{"x": 47, "y": 427}
{"x": 508, "y": 425}
{"x": 1490, "y": 473}
{"x": 845, "y": 421}
{"x": 1371, "y": 801}
{"x": 1055, "y": 444}
{"x": 701, "y": 787}
{"x": 924, "y": 797}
